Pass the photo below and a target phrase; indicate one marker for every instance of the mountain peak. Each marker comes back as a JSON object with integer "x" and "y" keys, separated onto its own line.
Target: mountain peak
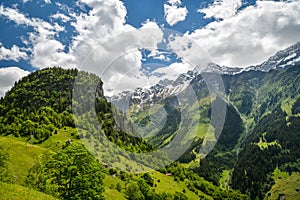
{"x": 283, "y": 58}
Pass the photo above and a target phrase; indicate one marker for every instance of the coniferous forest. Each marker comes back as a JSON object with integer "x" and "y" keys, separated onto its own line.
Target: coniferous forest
{"x": 42, "y": 151}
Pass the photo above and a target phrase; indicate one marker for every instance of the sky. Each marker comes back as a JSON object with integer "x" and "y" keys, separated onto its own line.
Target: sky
{"x": 136, "y": 43}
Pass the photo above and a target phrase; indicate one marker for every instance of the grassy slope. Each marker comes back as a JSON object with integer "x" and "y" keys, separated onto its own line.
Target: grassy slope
{"x": 163, "y": 184}
{"x": 285, "y": 184}
{"x": 110, "y": 190}
{"x": 56, "y": 141}
{"x": 167, "y": 184}
{"x": 22, "y": 156}
{"x": 223, "y": 179}
{"x": 17, "y": 192}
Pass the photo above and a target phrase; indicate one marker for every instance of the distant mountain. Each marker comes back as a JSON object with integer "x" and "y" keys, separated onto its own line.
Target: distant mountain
{"x": 283, "y": 58}
{"x": 41, "y": 111}
{"x": 287, "y": 57}
{"x": 166, "y": 88}
{"x": 261, "y": 128}
{"x": 259, "y": 134}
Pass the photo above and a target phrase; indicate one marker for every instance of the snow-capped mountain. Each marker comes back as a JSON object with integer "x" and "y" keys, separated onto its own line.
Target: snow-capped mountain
{"x": 166, "y": 88}
{"x": 287, "y": 57}
{"x": 147, "y": 96}
{"x": 213, "y": 67}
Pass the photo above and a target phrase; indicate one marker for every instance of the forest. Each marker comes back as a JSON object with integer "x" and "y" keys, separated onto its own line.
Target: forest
{"x": 45, "y": 126}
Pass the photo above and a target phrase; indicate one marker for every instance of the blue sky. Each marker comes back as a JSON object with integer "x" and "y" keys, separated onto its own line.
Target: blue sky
{"x": 130, "y": 41}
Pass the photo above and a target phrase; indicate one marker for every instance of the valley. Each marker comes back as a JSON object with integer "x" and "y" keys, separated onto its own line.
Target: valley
{"x": 195, "y": 137}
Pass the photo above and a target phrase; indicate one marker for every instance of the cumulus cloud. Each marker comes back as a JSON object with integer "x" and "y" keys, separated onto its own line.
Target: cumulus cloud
{"x": 109, "y": 47}
{"x": 252, "y": 35}
{"x": 172, "y": 71}
{"x": 60, "y": 16}
{"x": 221, "y": 9}
{"x": 104, "y": 44}
{"x": 14, "y": 53}
{"x": 120, "y": 55}
{"x": 159, "y": 55}
{"x": 174, "y": 13}
{"x": 46, "y": 51}
{"x": 49, "y": 52}
{"x": 189, "y": 50}
{"x": 8, "y": 76}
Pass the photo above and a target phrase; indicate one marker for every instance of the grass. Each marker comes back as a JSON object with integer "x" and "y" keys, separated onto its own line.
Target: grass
{"x": 22, "y": 156}
{"x": 17, "y": 192}
{"x": 210, "y": 135}
{"x": 162, "y": 184}
{"x": 167, "y": 184}
{"x": 56, "y": 141}
{"x": 223, "y": 179}
{"x": 262, "y": 144}
{"x": 284, "y": 184}
{"x": 111, "y": 193}
{"x": 287, "y": 105}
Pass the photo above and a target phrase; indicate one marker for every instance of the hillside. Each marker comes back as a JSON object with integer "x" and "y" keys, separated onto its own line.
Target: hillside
{"x": 17, "y": 192}
{"x": 40, "y": 103}
{"x": 259, "y": 135}
{"x": 273, "y": 132}
{"x": 35, "y": 135}
{"x": 115, "y": 182}
{"x": 260, "y": 132}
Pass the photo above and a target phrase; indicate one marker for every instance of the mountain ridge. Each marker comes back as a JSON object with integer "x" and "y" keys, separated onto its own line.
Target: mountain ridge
{"x": 265, "y": 98}
{"x": 262, "y": 120}
{"x": 165, "y": 88}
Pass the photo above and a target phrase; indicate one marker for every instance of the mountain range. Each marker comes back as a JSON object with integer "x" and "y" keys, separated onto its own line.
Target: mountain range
{"x": 165, "y": 88}
{"x": 237, "y": 128}
{"x": 259, "y": 130}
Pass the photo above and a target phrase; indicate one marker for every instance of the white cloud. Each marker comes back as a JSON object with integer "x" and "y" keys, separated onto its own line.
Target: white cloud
{"x": 120, "y": 55}
{"x": 189, "y": 50}
{"x": 47, "y": 1}
{"x": 14, "y": 15}
{"x": 108, "y": 46}
{"x": 174, "y": 13}
{"x": 38, "y": 24}
{"x": 172, "y": 71}
{"x": 159, "y": 55}
{"x": 46, "y": 51}
{"x": 49, "y": 52}
{"x": 8, "y": 76}
{"x": 173, "y": 2}
{"x": 14, "y": 53}
{"x": 252, "y": 35}
{"x": 221, "y": 9}
{"x": 60, "y": 16}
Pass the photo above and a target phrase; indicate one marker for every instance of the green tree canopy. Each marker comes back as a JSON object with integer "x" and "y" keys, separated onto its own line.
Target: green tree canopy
{"x": 72, "y": 173}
